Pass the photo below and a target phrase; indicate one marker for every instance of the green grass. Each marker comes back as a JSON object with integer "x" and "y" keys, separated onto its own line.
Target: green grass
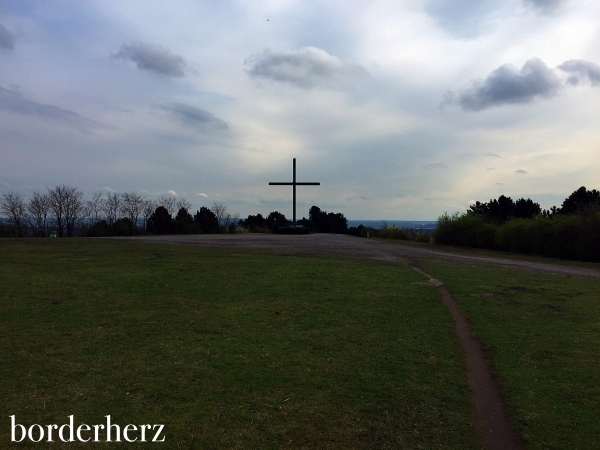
{"x": 542, "y": 335}
{"x": 228, "y": 349}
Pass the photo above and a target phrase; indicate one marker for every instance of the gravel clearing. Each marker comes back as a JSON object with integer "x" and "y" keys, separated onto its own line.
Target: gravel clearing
{"x": 353, "y": 247}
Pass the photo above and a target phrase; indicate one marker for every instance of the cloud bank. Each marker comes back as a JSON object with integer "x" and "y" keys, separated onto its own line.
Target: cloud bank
{"x": 153, "y": 58}
{"x": 508, "y": 85}
{"x": 306, "y": 67}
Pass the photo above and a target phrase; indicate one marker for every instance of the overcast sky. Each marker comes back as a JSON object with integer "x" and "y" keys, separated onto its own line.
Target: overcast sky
{"x": 401, "y": 109}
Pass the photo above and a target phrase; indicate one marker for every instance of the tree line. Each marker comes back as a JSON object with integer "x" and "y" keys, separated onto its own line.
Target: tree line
{"x": 67, "y": 212}
{"x": 318, "y": 221}
{"x": 571, "y": 231}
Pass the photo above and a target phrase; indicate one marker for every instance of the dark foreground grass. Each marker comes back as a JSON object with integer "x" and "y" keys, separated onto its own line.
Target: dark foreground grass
{"x": 542, "y": 335}
{"x": 228, "y": 349}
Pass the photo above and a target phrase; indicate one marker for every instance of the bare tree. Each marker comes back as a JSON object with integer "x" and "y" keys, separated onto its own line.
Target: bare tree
{"x": 219, "y": 210}
{"x": 38, "y": 208}
{"x": 74, "y": 210}
{"x": 170, "y": 203}
{"x": 230, "y": 218}
{"x": 132, "y": 207}
{"x": 66, "y": 203}
{"x": 183, "y": 203}
{"x": 57, "y": 208}
{"x": 149, "y": 208}
{"x": 94, "y": 207}
{"x": 15, "y": 208}
{"x": 112, "y": 207}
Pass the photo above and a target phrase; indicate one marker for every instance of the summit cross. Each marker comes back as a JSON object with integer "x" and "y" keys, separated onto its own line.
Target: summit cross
{"x": 294, "y": 184}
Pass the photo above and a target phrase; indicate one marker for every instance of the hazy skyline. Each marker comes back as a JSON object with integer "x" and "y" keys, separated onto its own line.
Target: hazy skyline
{"x": 401, "y": 110}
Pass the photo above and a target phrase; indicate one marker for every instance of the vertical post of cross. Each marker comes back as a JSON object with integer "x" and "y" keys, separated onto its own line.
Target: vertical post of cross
{"x": 294, "y": 183}
{"x": 294, "y": 190}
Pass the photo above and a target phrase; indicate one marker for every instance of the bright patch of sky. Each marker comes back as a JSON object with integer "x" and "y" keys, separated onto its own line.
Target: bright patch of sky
{"x": 402, "y": 110}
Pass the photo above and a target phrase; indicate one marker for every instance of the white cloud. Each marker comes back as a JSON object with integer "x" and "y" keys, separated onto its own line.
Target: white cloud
{"x": 305, "y": 67}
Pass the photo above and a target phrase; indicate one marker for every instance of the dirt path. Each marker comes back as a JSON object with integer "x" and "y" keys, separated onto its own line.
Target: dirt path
{"x": 489, "y": 417}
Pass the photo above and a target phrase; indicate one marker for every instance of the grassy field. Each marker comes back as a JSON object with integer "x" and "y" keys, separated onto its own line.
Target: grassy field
{"x": 230, "y": 349}
{"x": 542, "y": 336}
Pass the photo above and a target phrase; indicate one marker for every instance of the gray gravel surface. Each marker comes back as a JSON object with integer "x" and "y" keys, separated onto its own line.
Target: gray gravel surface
{"x": 353, "y": 247}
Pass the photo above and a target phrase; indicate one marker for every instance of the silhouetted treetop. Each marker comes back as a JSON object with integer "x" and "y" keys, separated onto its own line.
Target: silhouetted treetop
{"x": 207, "y": 220}
{"x": 502, "y": 210}
{"x": 579, "y": 200}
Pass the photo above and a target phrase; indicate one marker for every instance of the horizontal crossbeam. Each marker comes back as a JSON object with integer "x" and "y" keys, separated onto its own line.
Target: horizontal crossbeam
{"x": 291, "y": 184}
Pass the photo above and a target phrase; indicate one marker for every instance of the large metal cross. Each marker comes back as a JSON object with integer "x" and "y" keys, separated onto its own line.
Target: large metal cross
{"x": 294, "y": 184}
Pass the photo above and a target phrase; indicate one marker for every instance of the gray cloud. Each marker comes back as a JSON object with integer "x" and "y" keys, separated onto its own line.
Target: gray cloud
{"x": 152, "y": 58}
{"x": 521, "y": 171}
{"x": 192, "y": 116}
{"x": 544, "y": 6}
{"x": 508, "y": 85}
{"x": 578, "y": 68}
{"x": 13, "y": 101}
{"x": 7, "y": 40}
{"x": 306, "y": 67}
{"x": 436, "y": 166}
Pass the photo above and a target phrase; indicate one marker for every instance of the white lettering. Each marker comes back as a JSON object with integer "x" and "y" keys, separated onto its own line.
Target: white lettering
{"x": 13, "y": 425}
{"x": 79, "y": 430}
{"x": 84, "y": 433}
{"x": 143, "y": 430}
{"x": 155, "y": 438}
{"x": 71, "y": 430}
{"x": 30, "y": 433}
{"x": 96, "y": 432}
{"x": 126, "y": 429}
{"x": 108, "y": 427}
{"x": 50, "y": 427}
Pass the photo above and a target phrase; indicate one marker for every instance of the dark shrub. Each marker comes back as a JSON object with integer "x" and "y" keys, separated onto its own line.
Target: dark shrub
{"x": 160, "y": 221}
{"x": 122, "y": 227}
{"x": 99, "y": 229}
{"x": 466, "y": 230}
{"x": 206, "y": 220}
